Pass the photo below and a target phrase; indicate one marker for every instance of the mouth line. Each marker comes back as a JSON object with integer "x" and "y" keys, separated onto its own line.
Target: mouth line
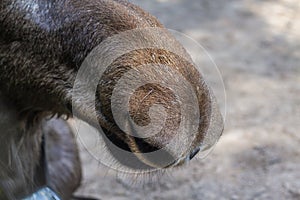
{"x": 185, "y": 159}
{"x": 194, "y": 153}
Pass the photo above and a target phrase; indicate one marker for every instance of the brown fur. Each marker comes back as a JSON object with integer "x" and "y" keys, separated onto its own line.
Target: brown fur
{"x": 42, "y": 45}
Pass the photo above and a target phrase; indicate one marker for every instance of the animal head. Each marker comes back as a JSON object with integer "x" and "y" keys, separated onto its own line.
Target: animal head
{"x": 117, "y": 68}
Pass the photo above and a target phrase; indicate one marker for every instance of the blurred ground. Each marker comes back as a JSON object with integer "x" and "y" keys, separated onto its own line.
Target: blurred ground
{"x": 256, "y": 45}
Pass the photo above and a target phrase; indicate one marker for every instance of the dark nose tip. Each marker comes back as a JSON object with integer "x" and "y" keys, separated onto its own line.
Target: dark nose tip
{"x": 194, "y": 153}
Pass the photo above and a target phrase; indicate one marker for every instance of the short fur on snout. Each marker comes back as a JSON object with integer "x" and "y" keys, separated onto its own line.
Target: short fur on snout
{"x": 43, "y": 43}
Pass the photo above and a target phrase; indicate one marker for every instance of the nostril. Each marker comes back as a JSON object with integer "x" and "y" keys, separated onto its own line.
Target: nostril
{"x": 194, "y": 153}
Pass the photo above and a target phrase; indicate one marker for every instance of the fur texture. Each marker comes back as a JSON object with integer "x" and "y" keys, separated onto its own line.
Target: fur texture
{"x": 42, "y": 45}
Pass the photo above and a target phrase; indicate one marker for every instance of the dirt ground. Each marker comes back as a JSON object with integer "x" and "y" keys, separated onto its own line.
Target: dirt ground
{"x": 256, "y": 45}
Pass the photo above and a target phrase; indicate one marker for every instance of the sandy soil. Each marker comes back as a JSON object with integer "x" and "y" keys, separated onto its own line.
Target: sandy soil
{"x": 256, "y": 45}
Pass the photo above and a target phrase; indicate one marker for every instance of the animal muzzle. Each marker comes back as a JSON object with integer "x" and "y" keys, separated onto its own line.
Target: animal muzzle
{"x": 152, "y": 104}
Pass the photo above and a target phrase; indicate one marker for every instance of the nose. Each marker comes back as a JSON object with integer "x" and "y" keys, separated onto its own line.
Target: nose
{"x": 194, "y": 153}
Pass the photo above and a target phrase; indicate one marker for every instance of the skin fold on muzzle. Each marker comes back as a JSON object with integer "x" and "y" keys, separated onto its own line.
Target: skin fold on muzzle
{"x": 43, "y": 44}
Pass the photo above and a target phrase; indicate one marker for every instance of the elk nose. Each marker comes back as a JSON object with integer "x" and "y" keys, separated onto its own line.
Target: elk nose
{"x": 194, "y": 153}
